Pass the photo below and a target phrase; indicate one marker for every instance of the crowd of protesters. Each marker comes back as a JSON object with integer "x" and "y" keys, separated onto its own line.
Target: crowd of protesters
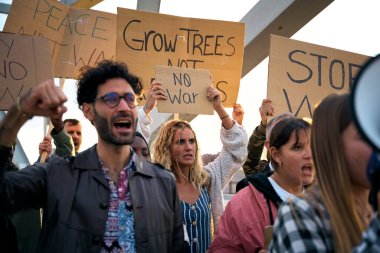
{"x": 124, "y": 195}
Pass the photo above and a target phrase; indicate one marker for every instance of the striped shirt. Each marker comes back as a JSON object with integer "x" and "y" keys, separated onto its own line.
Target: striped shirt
{"x": 197, "y": 218}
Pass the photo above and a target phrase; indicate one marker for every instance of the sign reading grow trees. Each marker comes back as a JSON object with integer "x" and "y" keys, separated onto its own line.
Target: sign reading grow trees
{"x": 146, "y": 39}
{"x": 186, "y": 90}
{"x": 302, "y": 74}
{"x": 24, "y": 62}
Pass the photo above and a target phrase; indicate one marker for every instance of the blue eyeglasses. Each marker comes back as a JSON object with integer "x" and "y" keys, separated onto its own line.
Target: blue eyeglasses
{"x": 113, "y": 99}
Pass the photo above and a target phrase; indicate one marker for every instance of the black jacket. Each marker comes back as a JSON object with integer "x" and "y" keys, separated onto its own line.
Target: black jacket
{"x": 75, "y": 196}
{"x": 245, "y": 181}
{"x": 19, "y": 232}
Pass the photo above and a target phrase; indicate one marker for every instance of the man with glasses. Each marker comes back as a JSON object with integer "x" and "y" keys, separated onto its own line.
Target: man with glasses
{"x": 67, "y": 134}
{"x": 105, "y": 199}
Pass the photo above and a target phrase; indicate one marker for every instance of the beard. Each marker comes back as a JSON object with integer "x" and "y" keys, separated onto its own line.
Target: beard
{"x": 103, "y": 128}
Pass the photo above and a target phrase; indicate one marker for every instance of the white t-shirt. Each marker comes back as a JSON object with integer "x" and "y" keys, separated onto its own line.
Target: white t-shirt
{"x": 284, "y": 195}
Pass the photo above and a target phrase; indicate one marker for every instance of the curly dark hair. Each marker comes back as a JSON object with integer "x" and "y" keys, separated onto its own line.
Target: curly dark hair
{"x": 92, "y": 77}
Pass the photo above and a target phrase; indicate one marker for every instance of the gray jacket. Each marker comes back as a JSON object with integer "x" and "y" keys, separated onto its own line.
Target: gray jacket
{"x": 75, "y": 195}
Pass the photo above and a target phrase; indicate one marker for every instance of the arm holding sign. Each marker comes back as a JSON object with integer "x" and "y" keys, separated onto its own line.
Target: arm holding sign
{"x": 257, "y": 139}
{"x": 45, "y": 146}
{"x": 213, "y": 95}
{"x": 64, "y": 145}
{"x": 155, "y": 93}
{"x": 62, "y": 140}
{"x": 238, "y": 113}
{"x": 232, "y": 156}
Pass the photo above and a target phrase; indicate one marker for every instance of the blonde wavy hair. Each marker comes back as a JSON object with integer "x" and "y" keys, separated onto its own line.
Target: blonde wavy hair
{"x": 161, "y": 153}
{"x": 330, "y": 119}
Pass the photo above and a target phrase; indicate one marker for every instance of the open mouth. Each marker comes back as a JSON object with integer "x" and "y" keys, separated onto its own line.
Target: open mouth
{"x": 306, "y": 169}
{"x": 189, "y": 156}
{"x": 123, "y": 124}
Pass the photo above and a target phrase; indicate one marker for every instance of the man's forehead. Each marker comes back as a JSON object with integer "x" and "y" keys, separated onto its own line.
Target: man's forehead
{"x": 115, "y": 85}
{"x": 73, "y": 126}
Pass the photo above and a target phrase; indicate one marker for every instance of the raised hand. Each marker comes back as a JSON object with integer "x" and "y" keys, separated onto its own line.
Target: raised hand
{"x": 266, "y": 109}
{"x": 238, "y": 113}
{"x": 155, "y": 93}
{"x": 45, "y": 146}
{"x": 57, "y": 122}
{"x": 45, "y": 99}
{"x": 213, "y": 95}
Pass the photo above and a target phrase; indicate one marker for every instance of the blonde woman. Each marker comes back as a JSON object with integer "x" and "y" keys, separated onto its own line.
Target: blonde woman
{"x": 333, "y": 215}
{"x": 200, "y": 187}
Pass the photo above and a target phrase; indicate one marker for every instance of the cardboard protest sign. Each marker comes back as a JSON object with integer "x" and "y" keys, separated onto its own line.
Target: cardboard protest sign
{"x": 302, "y": 74}
{"x": 147, "y": 39}
{"x": 186, "y": 90}
{"x": 78, "y": 37}
{"x": 24, "y": 62}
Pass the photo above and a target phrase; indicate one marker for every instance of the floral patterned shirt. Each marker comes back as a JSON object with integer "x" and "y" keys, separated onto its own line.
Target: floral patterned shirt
{"x": 119, "y": 233}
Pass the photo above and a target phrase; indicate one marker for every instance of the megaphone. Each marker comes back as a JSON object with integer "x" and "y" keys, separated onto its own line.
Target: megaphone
{"x": 365, "y": 102}
{"x": 365, "y": 98}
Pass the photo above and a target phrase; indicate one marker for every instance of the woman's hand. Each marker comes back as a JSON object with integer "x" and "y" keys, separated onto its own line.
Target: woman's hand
{"x": 238, "y": 113}
{"x": 213, "y": 95}
{"x": 155, "y": 93}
